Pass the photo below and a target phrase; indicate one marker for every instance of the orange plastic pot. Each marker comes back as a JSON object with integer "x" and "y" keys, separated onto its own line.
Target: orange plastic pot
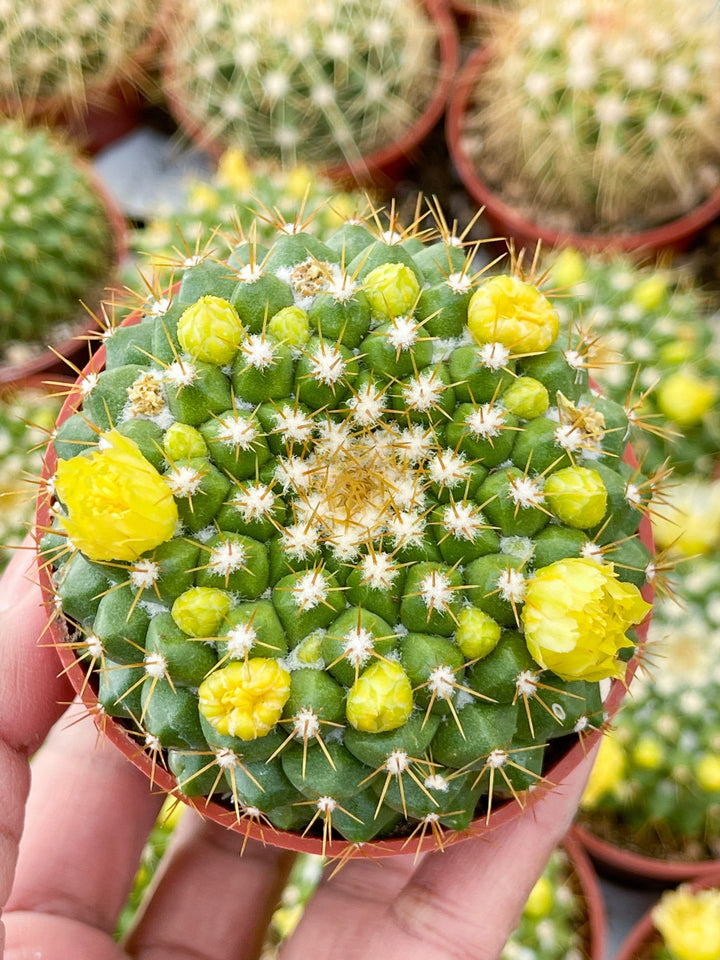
{"x": 592, "y": 898}
{"x": 676, "y": 235}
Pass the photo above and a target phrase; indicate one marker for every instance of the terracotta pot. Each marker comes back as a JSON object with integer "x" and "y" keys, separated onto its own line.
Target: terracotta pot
{"x": 57, "y": 634}
{"x": 49, "y": 359}
{"x": 508, "y": 222}
{"x": 387, "y": 164}
{"x": 623, "y": 865}
{"x": 643, "y": 938}
{"x": 592, "y": 897}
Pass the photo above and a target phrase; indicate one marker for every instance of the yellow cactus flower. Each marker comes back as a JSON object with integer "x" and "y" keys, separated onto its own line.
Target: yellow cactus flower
{"x": 688, "y": 520}
{"x": 380, "y": 699}
{"x": 648, "y": 753}
{"x": 506, "y": 310}
{"x": 118, "y": 505}
{"x": 575, "y": 616}
{"x": 707, "y": 772}
{"x": 607, "y": 773}
{"x": 200, "y": 611}
{"x": 233, "y": 171}
{"x": 568, "y": 269}
{"x": 300, "y": 180}
{"x": 203, "y": 198}
{"x": 685, "y": 397}
{"x": 689, "y": 922}
{"x": 650, "y": 292}
{"x": 245, "y": 699}
{"x": 210, "y": 330}
{"x": 540, "y": 902}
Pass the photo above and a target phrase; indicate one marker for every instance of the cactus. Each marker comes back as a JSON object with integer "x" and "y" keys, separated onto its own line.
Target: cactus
{"x": 656, "y": 785}
{"x": 323, "y": 83}
{"x": 593, "y": 116}
{"x": 659, "y": 352}
{"x": 56, "y": 241}
{"x": 61, "y": 56}
{"x": 352, "y": 487}
{"x": 27, "y": 416}
{"x": 688, "y": 922}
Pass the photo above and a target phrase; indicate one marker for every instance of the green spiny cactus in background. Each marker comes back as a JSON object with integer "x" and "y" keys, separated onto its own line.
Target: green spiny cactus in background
{"x": 66, "y": 53}
{"x": 56, "y": 241}
{"x": 688, "y": 921}
{"x": 656, "y": 784}
{"x": 659, "y": 352}
{"x": 234, "y": 199}
{"x": 597, "y": 115}
{"x": 324, "y": 83}
{"x": 352, "y": 484}
{"x": 27, "y": 416}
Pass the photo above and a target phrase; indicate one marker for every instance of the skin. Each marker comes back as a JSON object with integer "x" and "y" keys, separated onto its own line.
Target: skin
{"x": 65, "y": 877}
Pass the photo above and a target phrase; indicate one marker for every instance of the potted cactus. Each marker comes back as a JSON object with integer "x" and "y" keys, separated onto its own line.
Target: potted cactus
{"x": 75, "y": 63}
{"x": 361, "y": 576}
{"x": 658, "y": 352}
{"x": 587, "y": 123}
{"x": 352, "y": 86}
{"x": 683, "y": 925}
{"x": 61, "y": 236}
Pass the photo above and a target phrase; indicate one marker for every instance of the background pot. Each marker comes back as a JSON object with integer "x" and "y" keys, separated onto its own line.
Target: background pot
{"x": 591, "y": 894}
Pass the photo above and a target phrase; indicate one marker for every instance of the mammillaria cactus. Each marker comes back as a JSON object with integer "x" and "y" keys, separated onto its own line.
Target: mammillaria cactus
{"x": 58, "y": 56}
{"x": 57, "y": 243}
{"x": 658, "y": 352}
{"x": 593, "y": 116}
{"x": 656, "y": 784}
{"x": 344, "y": 537}
{"x": 327, "y": 83}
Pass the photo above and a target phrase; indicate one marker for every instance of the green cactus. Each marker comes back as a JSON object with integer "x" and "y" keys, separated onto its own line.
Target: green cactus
{"x": 658, "y": 352}
{"x": 56, "y": 242}
{"x": 593, "y": 116}
{"x": 63, "y": 55}
{"x": 657, "y": 782}
{"x": 325, "y": 83}
{"x": 326, "y": 581}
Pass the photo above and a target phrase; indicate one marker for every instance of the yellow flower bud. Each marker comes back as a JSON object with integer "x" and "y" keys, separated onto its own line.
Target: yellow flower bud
{"x": 707, "y": 772}
{"x": 648, "y": 753}
{"x": 234, "y": 172}
{"x": 568, "y": 269}
{"x": 392, "y": 290}
{"x": 200, "y": 611}
{"x": 689, "y": 923}
{"x": 300, "y": 180}
{"x": 526, "y": 398}
{"x": 650, "y": 292}
{"x": 575, "y": 615}
{"x": 540, "y": 902}
{"x": 245, "y": 699}
{"x": 183, "y": 442}
{"x": 688, "y": 519}
{"x": 685, "y": 398}
{"x": 477, "y": 633}
{"x": 290, "y": 325}
{"x": 506, "y": 310}
{"x": 118, "y": 505}
{"x": 210, "y": 330}
{"x": 380, "y": 699}
{"x": 203, "y": 198}
{"x": 607, "y": 772}
{"x": 577, "y": 496}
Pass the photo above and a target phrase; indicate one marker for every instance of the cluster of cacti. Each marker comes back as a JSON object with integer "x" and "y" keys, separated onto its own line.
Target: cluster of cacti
{"x": 656, "y": 784}
{"x": 237, "y": 195}
{"x": 63, "y": 54}
{"x": 688, "y": 921}
{"x": 658, "y": 351}
{"x": 56, "y": 241}
{"x": 326, "y": 83}
{"x": 596, "y": 115}
{"x": 27, "y": 417}
{"x": 346, "y": 538}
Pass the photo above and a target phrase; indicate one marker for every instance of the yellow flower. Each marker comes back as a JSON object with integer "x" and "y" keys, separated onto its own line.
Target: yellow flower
{"x": 650, "y": 292}
{"x": 203, "y": 198}
{"x": 690, "y": 923}
{"x": 575, "y": 615}
{"x": 685, "y": 398}
{"x": 380, "y": 699}
{"x": 245, "y": 699}
{"x": 648, "y": 753}
{"x": 707, "y": 772}
{"x": 300, "y": 180}
{"x": 688, "y": 519}
{"x": 118, "y": 505}
{"x": 200, "y": 611}
{"x": 506, "y": 310}
{"x": 234, "y": 172}
{"x": 568, "y": 269}
{"x": 607, "y": 772}
{"x": 540, "y": 902}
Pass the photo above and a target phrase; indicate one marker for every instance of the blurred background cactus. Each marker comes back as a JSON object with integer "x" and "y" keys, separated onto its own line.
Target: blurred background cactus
{"x": 57, "y": 244}
{"x": 600, "y": 115}
{"x": 688, "y": 923}
{"x": 657, "y": 351}
{"x": 655, "y": 788}
{"x": 324, "y": 82}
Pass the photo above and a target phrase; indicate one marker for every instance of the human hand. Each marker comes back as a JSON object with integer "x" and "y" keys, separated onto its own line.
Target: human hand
{"x": 89, "y": 813}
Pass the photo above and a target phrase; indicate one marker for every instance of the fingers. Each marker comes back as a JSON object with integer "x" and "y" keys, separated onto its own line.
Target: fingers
{"x": 209, "y": 901}
{"x": 32, "y": 936}
{"x": 88, "y": 817}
